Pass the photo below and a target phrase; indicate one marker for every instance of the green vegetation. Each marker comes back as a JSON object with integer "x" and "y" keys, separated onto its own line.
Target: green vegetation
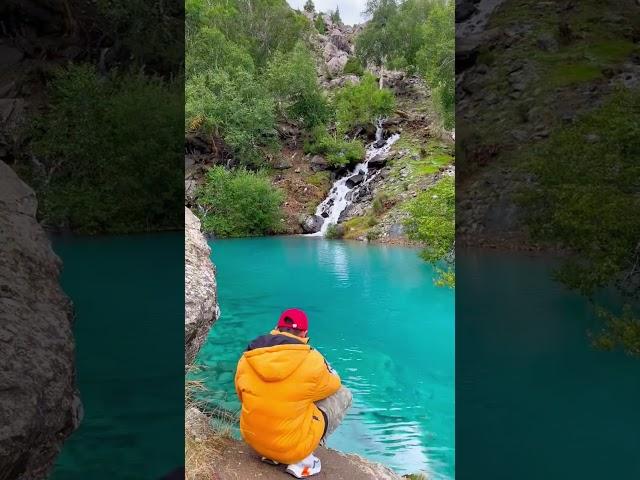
{"x": 586, "y": 199}
{"x": 362, "y": 104}
{"x": 334, "y": 232}
{"x": 357, "y": 227}
{"x": 339, "y": 153}
{"x": 353, "y": 67}
{"x": 417, "y": 36}
{"x": 109, "y": 153}
{"x": 291, "y": 78}
{"x": 239, "y": 203}
{"x": 320, "y": 179}
{"x": 335, "y": 16}
{"x": 257, "y": 73}
{"x": 319, "y": 24}
{"x": 309, "y": 6}
{"x": 432, "y": 222}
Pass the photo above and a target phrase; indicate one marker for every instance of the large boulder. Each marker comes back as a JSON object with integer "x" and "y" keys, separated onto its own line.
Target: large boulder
{"x": 340, "y": 40}
{"x": 200, "y": 299}
{"x": 39, "y": 404}
{"x": 335, "y": 66}
{"x": 311, "y": 223}
{"x": 354, "y": 180}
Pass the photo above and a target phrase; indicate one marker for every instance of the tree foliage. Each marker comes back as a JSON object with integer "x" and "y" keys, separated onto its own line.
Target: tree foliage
{"x": 309, "y": 6}
{"x": 101, "y": 169}
{"x": 247, "y": 68}
{"x": 239, "y": 203}
{"x": 432, "y": 222}
{"x": 362, "y": 104}
{"x": 417, "y": 36}
{"x": 292, "y": 80}
{"x": 586, "y": 198}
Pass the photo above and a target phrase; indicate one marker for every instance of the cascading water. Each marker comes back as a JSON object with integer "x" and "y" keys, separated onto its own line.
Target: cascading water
{"x": 339, "y": 199}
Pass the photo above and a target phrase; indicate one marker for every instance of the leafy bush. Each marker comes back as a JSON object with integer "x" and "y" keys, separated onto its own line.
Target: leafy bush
{"x": 362, "y": 104}
{"x": 293, "y": 81}
{"x": 111, "y": 155}
{"x": 379, "y": 203}
{"x": 334, "y": 232}
{"x": 235, "y": 107}
{"x": 339, "y": 153}
{"x": 432, "y": 222}
{"x": 239, "y": 203}
{"x": 353, "y": 67}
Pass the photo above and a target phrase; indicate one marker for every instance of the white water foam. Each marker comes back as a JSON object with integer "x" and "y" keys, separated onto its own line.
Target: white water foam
{"x": 336, "y": 202}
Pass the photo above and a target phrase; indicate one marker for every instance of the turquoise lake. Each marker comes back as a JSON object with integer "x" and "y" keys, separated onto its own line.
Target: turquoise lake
{"x": 375, "y": 315}
{"x": 128, "y": 293}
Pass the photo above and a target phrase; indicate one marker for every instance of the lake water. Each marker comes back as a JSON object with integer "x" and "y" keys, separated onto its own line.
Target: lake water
{"x": 375, "y": 315}
{"x": 128, "y": 293}
{"x": 534, "y": 399}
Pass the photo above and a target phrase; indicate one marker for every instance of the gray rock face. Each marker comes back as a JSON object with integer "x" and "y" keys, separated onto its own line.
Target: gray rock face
{"x": 200, "y": 299}
{"x": 39, "y": 405}
{"x": 311, "y": 223}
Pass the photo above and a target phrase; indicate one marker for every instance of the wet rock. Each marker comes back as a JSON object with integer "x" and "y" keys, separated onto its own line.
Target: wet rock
{"x": 378, "y": 161}
{"x": 200, "y": 299}
{"x": 311, "y": 223}
{"x": 39, "y": 404}
{"x": 354, "y": 180}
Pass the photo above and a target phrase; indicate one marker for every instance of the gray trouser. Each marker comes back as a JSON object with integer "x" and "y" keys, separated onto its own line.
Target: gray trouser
{"x": 335, "y": 407}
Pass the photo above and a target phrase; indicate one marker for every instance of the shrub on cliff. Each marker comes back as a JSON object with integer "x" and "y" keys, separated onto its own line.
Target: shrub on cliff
{"x": 362, "y": 104}
{"x": 239, "y": 203}
{"x": 338, "y": 152}
{"x": 432, "y": 222}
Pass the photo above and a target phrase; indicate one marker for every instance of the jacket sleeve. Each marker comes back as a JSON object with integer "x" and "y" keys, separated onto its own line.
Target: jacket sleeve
{"x": 328, "y": 381}
{"x": 235, "y": 381}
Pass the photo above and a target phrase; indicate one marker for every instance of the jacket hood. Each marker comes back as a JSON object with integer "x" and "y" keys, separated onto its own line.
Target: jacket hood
{"x": 274, "y": 358}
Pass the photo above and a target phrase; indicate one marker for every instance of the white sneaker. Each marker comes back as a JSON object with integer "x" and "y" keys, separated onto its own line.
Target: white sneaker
{"x": 305, "y": 468}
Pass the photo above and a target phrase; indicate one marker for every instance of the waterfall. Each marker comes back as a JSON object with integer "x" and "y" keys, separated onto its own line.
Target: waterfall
{"x": 339, "y": 197}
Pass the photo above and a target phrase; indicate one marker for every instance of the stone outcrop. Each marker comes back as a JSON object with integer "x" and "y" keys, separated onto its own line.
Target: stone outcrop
{"x": 200, "y": 299}
{"x": 39, "y": 404}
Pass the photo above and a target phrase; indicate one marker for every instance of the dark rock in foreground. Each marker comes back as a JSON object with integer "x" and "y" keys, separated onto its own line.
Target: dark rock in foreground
{"x": 39, "y": 404}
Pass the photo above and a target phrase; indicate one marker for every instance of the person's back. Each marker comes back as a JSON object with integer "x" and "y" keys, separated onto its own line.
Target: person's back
{"x": 279, "y": 380}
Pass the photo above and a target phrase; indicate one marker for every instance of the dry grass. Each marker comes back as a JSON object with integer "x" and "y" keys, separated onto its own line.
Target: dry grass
{"x": 205, "y": 440}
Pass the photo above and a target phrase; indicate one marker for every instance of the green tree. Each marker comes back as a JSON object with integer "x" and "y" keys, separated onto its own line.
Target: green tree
{"x": 362, "y": 104}
{"x": 235, "y": 107}
{"x": 586, "y": 198}
{"x": 101, "y": 169}
{"x": 335, "y": 16}
{"x": 239, "y": 203}
{"x": 432, "y": 222}
{"x": 436, "y": 59}
{"x": 293, "y": 81}
{"x": 309, "y": 6}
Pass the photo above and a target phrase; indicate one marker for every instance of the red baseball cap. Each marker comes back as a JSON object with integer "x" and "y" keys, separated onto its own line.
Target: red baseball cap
{"x": 294, "y": 318}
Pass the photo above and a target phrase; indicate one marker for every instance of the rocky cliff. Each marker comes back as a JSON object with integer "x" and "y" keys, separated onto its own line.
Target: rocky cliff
{"x": 39, "y": 405}
{"x": 200, "y": 300}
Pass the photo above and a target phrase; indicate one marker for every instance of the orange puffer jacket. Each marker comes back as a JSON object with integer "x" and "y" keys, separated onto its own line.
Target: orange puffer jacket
{"x": 278, "y": 380}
